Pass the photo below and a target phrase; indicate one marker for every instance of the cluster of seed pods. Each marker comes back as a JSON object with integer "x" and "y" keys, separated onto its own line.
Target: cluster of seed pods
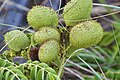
{"x": 44, "y": 20}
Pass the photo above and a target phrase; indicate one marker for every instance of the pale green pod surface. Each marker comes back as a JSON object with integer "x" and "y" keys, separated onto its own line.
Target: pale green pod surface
{"x": 86, "y": 34}
{"x": 76, "y": 10}
{"x": 41, "y": 16}
{"x": 45, "y": 34}
{"x": 49, "y": 51}
{"x": 16, "y": 40}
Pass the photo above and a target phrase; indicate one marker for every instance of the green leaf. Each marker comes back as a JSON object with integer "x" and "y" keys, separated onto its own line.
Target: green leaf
{"x": 49, "y": 69}
{"x": 56, "y": 77}
{"x": 36, "y": 62}
{"x": 21, "y": 67}
{"x": 44, "y": 65}
{"x": 1, "y": 74}
{"x": 113, "y": 75}
{"x": 39, "y": 75}
{"x": 33, "y": 73}
{"x": 23, "y": 77}
{"x": 43, "y": 73}
{"x": 12, "y": 77}
{"x": 7, "y": 75}
{"x": 116, "y": 25}
{"x": 50, "y": 77}
{"x": 17, "y": 71}
{"x": 19, "y": 74}
{"x": 108, "y": 38}
{"x": 11, "y": 67}
{"x": 2, "y": 62}
{"x": 29, "y": 66}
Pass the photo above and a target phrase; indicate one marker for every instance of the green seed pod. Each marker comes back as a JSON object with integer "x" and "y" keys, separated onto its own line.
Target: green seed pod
{"x": 86, "y": 34}
{"x": 49, "y": 51}
{"x": 17, "y": 40}
{"x": 77, "y": 10}
{"x": 40, "y": 16}
{"x": 45, "y": 34}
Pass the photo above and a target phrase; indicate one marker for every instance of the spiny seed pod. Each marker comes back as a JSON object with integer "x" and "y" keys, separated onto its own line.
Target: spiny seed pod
{"x": 77, "y": 10}
{"x": 17, "y": 40}
{"x": 40, "y": 16}
{"x": 49, "y": 51}
{"x": 45, "y": 34}
{"x": 86, "y": 34}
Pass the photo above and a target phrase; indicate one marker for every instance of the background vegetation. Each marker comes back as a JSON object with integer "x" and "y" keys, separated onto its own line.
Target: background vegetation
{"x": 101, "y": 62}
